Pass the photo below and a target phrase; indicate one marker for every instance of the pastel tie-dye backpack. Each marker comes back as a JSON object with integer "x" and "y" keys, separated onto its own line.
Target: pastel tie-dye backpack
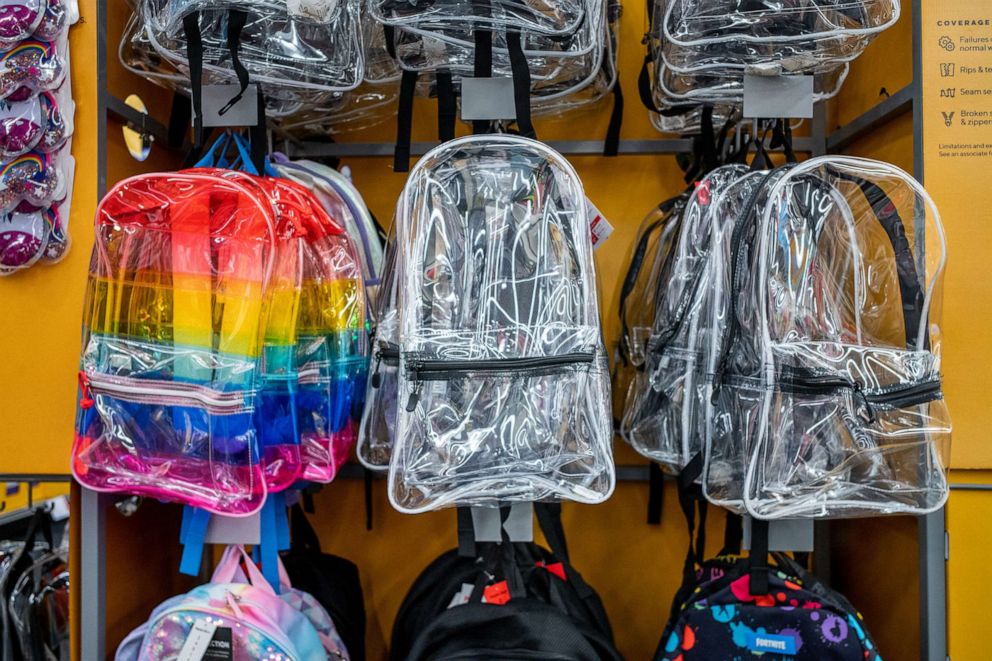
{"x": 186, "y": 313}
{"x": 237, "y": 615}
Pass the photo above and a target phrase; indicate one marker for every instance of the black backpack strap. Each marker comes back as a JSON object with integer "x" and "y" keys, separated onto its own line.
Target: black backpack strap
{"x": 194, "y": 54}
{"x": 611, "y": 146}
{"x": 910, "y": 291}
{"x": 180, "y": 118}
{"x": 447, "y": 106}
{"x": 644, "y": 86}
{"x": 235, "y": 24}
{"x": 733, "y": 534}
{"x": 521, "y": 83}
{"x": 758, "y": 568}
{"x": 404, "y": 121}
{"x": 656, "y": 493}
{"x": 367, "y": 478}
{"x": 483, "y": 68}
{"x": 466, "y": 533}
{"x": 301, "y": 533}
{"x": 549, "y": 519}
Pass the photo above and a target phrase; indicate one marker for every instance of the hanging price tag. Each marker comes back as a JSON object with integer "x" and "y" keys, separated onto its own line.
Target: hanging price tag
{"x": 197, "y": 641}
{"x": 599, "y": 228}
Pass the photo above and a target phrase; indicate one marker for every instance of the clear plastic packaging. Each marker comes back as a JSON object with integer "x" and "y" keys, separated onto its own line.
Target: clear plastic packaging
{"x": 36, "y": 179}
{"x": 38, "y": 607}
{"x": 278, "y": 50}
{"x": 728, "y": 86}
{"x": 30, "y": 234}
{"x": 32, "y": 66}
{"x": 827, "y": 379}
{"x": 18, "y": 20}
{"x": 176, "y": 329}
{"x": 378, "y": 427}
{"x": 343, "y": 203}
{"x": 638, "y": 299}
{"x": 538, "y": 16}
{"x": 43, "y": 122}
{"x": 662, "y": 420}
{"x": 700, "y": 22}
{"x": 503, "y": 385}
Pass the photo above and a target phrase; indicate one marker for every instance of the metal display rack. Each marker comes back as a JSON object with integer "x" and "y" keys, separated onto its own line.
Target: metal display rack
{"x": 94, "y": 507}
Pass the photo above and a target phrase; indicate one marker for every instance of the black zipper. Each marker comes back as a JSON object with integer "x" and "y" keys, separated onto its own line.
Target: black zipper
{"x": 389, "y": 354}
{"x": 420, "y": 370}
{"x": 899, "y": 396}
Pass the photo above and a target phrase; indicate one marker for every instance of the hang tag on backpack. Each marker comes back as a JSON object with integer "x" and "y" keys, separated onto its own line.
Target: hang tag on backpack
{"x": 488, "y": 99}
{"x": 318, "y": 11}
{"x": 462, "y": 596}
{"x": 599, "y": 228}
{"x": 217, "y": 98}
{"x": 197, "y": 641}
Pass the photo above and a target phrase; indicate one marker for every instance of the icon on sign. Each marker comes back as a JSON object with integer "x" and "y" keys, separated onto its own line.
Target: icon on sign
{"x": 948, "y": 93}
{"x": 946, "y": 69}
{"x": 946, "y": 43}
{"x": 948, "y": 118}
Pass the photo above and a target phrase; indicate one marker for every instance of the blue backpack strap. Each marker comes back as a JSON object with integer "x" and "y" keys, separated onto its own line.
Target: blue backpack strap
{"x": 193, "y": 535}
{"x": 282, "y": 521}
{"x": 215, "y": 156}
{"x": 268, "y": 549}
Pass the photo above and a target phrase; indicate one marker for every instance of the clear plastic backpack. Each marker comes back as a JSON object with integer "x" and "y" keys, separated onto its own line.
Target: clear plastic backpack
{"x": 638, "y": 299}
{"x": 378, "y": 427}
{"x": 661, "y": 419}
{"x": 503, "y": 384}
{"x": 826, "y": 389}
{"x": 186, "y": 310}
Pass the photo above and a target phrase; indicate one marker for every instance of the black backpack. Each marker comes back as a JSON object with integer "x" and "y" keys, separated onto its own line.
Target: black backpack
{"x": 333, "y": 581}
{"x": 550, "y": 611}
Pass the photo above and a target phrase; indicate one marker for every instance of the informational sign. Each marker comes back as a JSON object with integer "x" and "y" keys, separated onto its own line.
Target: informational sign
{"x": 957, "y": 162}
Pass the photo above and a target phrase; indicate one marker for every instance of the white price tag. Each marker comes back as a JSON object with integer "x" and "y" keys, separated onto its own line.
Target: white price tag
{"x": 319, "y": 11}
{"x": 197, "y": 641}
{"x": 599, "y": 228}
{"x": 462, "y": 596}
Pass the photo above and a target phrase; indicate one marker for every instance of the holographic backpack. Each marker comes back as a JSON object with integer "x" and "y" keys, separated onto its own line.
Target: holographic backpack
{"x": 237, "y": 615}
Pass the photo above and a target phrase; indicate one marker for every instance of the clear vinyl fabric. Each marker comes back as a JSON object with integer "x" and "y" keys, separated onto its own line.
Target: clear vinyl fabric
{"x": 344, "y": 205}
{"x": 638, "y": 296}
{"x": 662, "y": 417}
{"x": 690, "y": 122}
{"x": 828, "y": 381}
{"x": 185, "y": 302}
{"x": 278, "y": 50}
{"x": 700, "y": 22}
{"x": 503, "y": 384}
{"x": 38, "y": 607}
{"x": 309, "y": 404}
{"x": 561, "y": 18}
{"x": 378, "y": 428}
{"x": 142, "y": 56}
{"x": 453, "y": 48}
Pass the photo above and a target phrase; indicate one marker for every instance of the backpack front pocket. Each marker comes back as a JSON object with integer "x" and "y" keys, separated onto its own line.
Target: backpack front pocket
{"x": 868, "y": 438}
{"x": 530, "y": 427}
{"x": 156, "y": 437}
{"x": 659, "y": 419}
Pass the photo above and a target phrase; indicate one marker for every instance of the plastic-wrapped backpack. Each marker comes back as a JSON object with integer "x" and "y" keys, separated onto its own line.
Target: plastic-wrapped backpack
{"x": 826, "y": 394}
{"x": 638, "y": 300}
{"x": 661, "y": 419}
{"x": 183, "y": 267}
{"x": 375, "y": 435}
{"x": 503, "y": 385}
